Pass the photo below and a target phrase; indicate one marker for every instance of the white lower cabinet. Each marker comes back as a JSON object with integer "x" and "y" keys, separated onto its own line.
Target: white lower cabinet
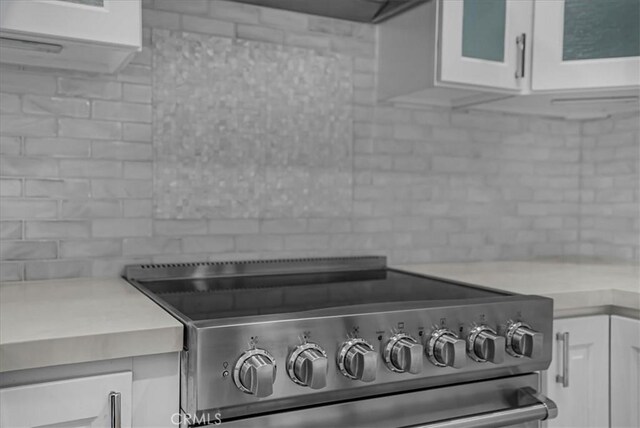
{"x": 625, "y": 372}
{"x": 91, "y": 401}
{"x": 583, "y": 399}
{"x": 147, "y": 394}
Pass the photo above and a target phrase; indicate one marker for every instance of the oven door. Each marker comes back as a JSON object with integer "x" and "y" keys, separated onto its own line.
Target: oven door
{"x": 510, "y": 401}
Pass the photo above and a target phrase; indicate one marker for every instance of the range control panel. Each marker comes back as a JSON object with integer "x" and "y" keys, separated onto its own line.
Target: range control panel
{"x": 252, "y": 363}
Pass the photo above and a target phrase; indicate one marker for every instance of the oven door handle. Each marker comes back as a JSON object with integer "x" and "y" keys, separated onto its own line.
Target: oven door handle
{"x": 542, "y": 408}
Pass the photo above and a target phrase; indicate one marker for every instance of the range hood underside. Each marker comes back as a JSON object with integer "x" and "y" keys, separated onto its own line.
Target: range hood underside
{"x": 372, "y": 11}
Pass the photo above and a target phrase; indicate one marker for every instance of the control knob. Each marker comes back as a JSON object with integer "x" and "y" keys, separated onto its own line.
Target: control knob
{"x": 446, "y": 349}
{"x": 483, "y": 344}
{"x": 307, "y": 366}
{"x": 358, "y": 360}
{"x": 403, "y": 354}
{"x": 522, "y": 341}
{"x": 255, "y": 372}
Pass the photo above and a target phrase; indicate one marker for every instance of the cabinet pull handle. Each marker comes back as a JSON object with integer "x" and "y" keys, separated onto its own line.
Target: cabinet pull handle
{"x": 115, "y": 405}
{"x": 564, "y": 378}
{"x": 521, "y": 46}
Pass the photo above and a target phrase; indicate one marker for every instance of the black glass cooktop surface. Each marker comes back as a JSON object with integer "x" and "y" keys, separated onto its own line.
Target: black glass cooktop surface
{"x": 238, "y": 296}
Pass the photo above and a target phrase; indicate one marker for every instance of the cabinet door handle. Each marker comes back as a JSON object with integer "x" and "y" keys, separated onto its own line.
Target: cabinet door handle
{"x": 115, "y": 406}
{"x": 564, "y": 378}
{"x": 521, "y": 46}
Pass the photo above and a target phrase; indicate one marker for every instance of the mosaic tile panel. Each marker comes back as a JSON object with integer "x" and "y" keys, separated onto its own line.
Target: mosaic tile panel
{"x": 250, "y": 129}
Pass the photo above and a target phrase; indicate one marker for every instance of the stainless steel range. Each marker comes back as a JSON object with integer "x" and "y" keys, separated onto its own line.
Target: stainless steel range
{"x": 350, "y": 342}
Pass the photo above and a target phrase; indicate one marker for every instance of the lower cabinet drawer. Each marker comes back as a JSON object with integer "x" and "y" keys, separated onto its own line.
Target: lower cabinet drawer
{"x": 92, "y": 401}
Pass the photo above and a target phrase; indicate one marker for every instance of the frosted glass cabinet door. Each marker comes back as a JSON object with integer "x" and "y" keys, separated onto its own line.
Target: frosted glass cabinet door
{"x": 478, "y": 42}
{"x": 586, "y": 44}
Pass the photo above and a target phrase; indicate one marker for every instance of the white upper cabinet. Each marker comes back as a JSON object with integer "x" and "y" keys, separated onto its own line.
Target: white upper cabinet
{"x": 581, "y": 44}
{"x": 483, "y": 43}
{"x": 88, "y": 35}
{"x": 454, "y": 52}
{"x": 552, "y": 55}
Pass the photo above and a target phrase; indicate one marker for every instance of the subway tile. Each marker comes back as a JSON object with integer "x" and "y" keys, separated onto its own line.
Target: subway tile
{"x": 115, "y": 266}
{"x": 138, "y": 170}
{"x": 234, "y": 12}
{"x": 353, "y": 47}
{"x": 329, "y": 225}
{"x": 307, "y": 242}
{"x": 180, "y": 227}
{"x": 137, "y": 93}
{"x": 20, "y": 82}
{"x": 283, "y": 19}
{"x": 90, "y": 248}
{"x": 121, "y": 150}
{"x": 260, "y": 34}
{"x": 36, "y": 270}
{"x": 140, "y": 208}
{"x": 28, "y": 250}
{"x": 58, "y": 188}
{"x": 121, "y": 111}
{"x": 194, "y": 7}
{"x": 331, "y": 26}
{"x": 135, "y": 73}
{"x": 89, "y": 88}
{"x": 233, "y": 226}
{"x": 57, "y": 147}
{"x": 260, "y": 242}
{"x": 11, "y": 271}
{"x": 309, "y": 41}
{"x": 119, "y": 189}
{"x": 113, "y": 228}
{"x": 11, "y": 229}
{"x": 27, "y": 209}
{"x": 90, "y": 128}
{"x": 491, "y": 122}
{"x": 90, "y": 168}
{"x": 151, "y": 246}
{"x": 283, "y": 226}
{"x": 160, "y": 19}
{"x": 10, "y": 187}
{"x": 10, "y": 145}
{"x": 90, "y": 209}
{"x": 208, "y": 26}
{"x": 372, "y": 225}
{"x": 136, "y": 132}
{"x": 28, "y": 167}
{"x": 57, "y": 229}
{"x": 207, "y": 244}
{"x": 9, "y": 103}
{"x": 28, "y": 126}
{"x": 56, "y": 106}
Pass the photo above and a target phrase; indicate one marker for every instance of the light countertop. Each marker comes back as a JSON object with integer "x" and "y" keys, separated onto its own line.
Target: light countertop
{"x": 47, "y": 323}
{"x": 577, "y": 288}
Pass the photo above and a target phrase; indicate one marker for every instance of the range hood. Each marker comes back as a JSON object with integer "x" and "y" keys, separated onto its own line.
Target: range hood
{"x": 372, "y": 11}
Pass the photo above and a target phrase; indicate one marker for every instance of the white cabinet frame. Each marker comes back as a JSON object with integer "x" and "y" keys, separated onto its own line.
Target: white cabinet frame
{"x": 117, "y": 23}
{"x": 458, "y": 69}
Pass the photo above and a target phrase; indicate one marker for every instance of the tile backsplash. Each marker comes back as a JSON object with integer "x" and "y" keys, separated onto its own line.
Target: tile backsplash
{"x": 248, "y": 129}
{"x": 243, "y": 132}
